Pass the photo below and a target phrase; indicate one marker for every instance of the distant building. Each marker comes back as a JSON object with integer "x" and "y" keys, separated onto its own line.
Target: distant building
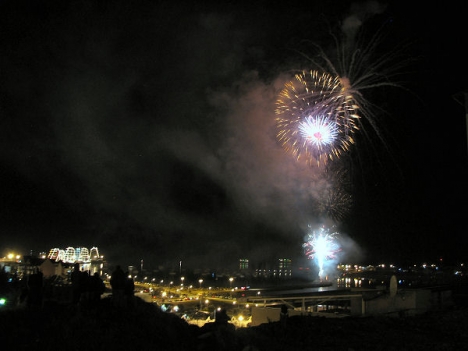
{"x": 72, "y": 255}
{"x": 243, "y": 264}
{"x": 284, "y": 268}
{"x": 89, "y": 260}
{"x": 279, "y": 269}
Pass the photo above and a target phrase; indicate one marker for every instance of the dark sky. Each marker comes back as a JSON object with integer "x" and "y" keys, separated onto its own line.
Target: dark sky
{"x": 147, "y": 129}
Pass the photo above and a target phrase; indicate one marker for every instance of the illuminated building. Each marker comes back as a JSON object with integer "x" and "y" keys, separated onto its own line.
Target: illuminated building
{"x": 89, "y": 260}
{"x": 243, "y": 264}
{"x": 284, "y": 268}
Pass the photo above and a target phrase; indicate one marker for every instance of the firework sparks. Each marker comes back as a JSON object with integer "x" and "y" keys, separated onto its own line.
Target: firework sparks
{"x": 315, "y": 117}
{"x": 361, "y": 65}
{"x": 322, "y": 247}
{"x": 335, "y": 204}
{"x": 318, "y": 131}
{"x": 335, "y": 89}
{"x": 332, "y": 199}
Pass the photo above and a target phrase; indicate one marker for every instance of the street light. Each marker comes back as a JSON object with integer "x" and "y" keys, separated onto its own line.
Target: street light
{"x": 200, "y": 281}
{"x": 230, "y": 282}
{"x": 182, "y": 281}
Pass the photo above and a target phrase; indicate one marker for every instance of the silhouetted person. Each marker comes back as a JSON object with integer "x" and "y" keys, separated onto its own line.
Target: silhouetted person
{"x": 283, "y": 314}
{"x": 7, "y": 287}
{"x": 77, "y": 281}
{"x": 3, "y": 280}
{"x": 96, "y": 288}
{"x": 84, "y": 286}
{"x": 129, "y": 289}
{"x": 222, "y": 317}
{"x": 117, "y": 283}
{"x": 35, "y": 284}
{"x": 219, "y": 335}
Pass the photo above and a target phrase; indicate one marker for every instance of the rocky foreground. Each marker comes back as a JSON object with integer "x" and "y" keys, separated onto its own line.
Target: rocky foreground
{"x": 145, "y": 327}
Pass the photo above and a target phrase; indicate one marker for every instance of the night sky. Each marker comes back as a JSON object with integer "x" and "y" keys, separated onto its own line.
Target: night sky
{"x": 147, "y": 129}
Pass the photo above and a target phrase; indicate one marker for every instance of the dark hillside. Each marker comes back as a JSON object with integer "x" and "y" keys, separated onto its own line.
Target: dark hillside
{"x": 145, "y": 327}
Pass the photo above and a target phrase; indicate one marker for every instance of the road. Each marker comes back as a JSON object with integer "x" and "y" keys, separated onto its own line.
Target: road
{"x": 198, "y": 309}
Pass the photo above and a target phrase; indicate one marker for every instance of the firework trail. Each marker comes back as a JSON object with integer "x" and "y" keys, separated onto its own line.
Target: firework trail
{"x": 332, "y": 199}
{"x": 322, "y": 247}
{"x": 334, "y": 203}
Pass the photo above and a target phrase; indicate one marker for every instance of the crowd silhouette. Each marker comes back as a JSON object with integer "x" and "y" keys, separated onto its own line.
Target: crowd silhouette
{"x": 86, "y": 289}
{"x": 79, "y": 288}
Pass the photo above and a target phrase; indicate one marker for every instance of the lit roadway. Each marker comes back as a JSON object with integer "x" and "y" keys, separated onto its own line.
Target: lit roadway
{"x": 195, "y": 298}
{"x": 190, "y": 295}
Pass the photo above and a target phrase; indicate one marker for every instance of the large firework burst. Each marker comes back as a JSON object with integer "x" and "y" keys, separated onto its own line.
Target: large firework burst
{"x": 315, "y": 101}
{"x": 335, "y": 89}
